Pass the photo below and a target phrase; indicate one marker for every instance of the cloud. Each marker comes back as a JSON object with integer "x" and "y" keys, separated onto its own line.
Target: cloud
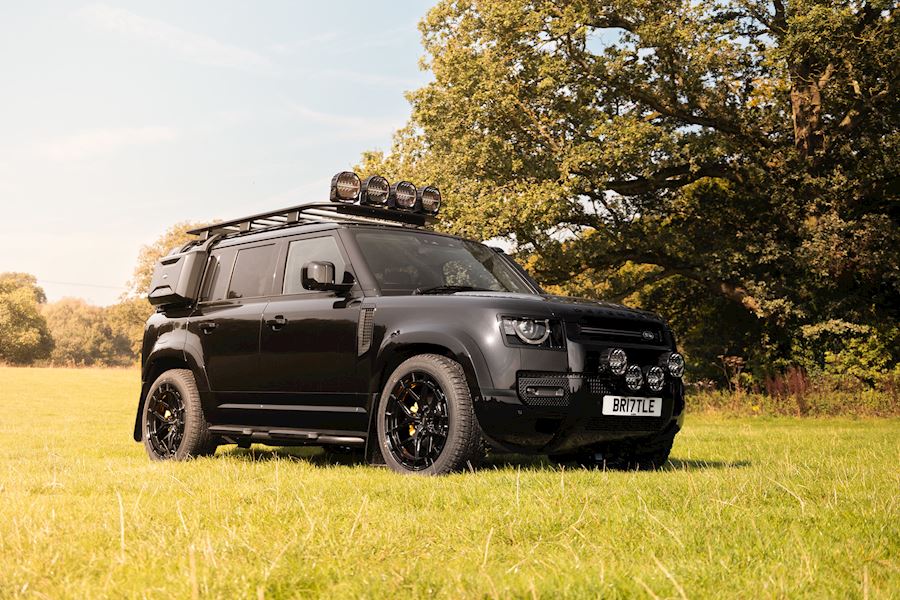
{"x": 190, "y": 46}
{"x": 88, "y": 144}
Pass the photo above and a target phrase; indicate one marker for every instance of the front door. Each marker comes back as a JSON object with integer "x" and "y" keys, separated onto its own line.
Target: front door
{"x": 308, "y": 345}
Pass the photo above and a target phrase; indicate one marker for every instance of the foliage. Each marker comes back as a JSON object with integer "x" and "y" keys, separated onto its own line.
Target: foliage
{"x": 127, "y": 319}
{"x": 731, "y": 165}
{"x": 750, "y": 508}
{"x": 24, "y": 336}
{"x": 83, "y": 335}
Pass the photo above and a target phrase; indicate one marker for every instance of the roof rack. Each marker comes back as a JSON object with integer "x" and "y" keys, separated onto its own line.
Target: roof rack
{"x": 314, "y": 213}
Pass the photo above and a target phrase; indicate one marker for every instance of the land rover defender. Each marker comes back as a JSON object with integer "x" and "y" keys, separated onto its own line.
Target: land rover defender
{"x": 350, "y": 324}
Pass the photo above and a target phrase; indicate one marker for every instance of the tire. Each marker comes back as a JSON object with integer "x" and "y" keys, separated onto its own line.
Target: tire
{"x": 173, "y": 426}
{"x": 437, "y": 401}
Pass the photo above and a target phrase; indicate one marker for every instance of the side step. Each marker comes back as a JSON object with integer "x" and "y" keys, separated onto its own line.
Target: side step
{"x": 284, "y": 437}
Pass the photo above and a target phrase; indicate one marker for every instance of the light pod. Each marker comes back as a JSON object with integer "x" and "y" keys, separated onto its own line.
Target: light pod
{"x": 615, "y": 360}
{"x": 375, "y": 191}
{"x": 634, "y": 378}
{"x": 675, "y": 364}
{"x": 345, "y": 187}
{"x": 656, "y": 378}
{"x": 430, "y": 200}
{"x": 404, "y": 195}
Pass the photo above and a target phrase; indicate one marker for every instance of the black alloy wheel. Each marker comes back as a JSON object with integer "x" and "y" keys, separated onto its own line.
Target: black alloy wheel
{"x": 426, "y": 418}
{"x": 165, "y": 420}
{"x": 173, "y": 424}
{"x": 417, "y": 421}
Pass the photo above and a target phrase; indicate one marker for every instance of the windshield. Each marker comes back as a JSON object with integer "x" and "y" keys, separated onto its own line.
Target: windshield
{"x": 405, "y": 262}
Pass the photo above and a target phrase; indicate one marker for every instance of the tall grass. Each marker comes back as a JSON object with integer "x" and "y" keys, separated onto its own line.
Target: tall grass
{"x": 794, "y": 393}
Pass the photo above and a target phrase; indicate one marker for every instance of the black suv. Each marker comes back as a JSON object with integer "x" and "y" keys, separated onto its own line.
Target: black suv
{"x": 347, "y": 324}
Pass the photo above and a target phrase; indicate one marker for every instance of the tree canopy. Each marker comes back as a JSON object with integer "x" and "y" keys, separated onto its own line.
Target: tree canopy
{"x": 730, "y": 164}
{"x": 24, "y": 336}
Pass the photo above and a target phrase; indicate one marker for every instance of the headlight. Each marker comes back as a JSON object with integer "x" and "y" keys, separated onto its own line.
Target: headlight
{"x": 430, "y": 200}
{"x": 634, "y": 378}
{"x": 375, "y": 190}
{"x": 404, "y": 195}
{"x": 675, "y": 364}
{"x": 656, "y": 378}
{"x": 615, "y": 360}
{"x": 345, "y": 187}
{"x": 531, "y": 331}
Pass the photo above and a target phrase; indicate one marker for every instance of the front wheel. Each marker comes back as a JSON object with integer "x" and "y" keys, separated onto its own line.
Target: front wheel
{"x": 426, "y": 419}
{"x": 172, "y": 423}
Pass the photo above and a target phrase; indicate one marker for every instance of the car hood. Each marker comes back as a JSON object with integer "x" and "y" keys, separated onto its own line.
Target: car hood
{"x": 570, "y": 309}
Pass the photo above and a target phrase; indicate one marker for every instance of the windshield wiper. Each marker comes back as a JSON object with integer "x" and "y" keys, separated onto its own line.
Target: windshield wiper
{"x": 449, "y": 289}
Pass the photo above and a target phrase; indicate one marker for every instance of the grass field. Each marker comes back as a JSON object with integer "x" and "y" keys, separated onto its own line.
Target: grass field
{"x": 749, "y": 508}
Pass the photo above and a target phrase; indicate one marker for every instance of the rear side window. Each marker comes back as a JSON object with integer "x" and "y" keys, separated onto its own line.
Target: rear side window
{"x": 254, "y": 270}
{"x": 301, "y": 252}
{"x": 217, "y": 271}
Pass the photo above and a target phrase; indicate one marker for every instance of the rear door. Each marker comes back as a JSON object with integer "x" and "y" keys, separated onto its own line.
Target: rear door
{"x": 227, "y": 321}
{"x": 308, "y": 347}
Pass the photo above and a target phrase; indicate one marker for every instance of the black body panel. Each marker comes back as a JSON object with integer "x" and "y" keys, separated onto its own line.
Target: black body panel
{"x": 308, "y": 367}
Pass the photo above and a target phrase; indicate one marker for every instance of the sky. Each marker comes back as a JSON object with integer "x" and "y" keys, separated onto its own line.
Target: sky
{"x": 120, "y": 119}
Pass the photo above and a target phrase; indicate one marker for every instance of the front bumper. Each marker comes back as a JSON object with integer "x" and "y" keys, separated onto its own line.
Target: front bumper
{"x": 549, "y": 422}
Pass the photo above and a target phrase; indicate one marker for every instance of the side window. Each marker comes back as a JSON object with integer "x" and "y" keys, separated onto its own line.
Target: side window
{"x": 253, "y": 272}
{"x": 217, "y": 271}
{"x": 300, "y": 252}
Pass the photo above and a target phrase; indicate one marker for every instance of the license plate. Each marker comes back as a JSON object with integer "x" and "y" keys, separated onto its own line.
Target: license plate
{"x": 626, "y": 406}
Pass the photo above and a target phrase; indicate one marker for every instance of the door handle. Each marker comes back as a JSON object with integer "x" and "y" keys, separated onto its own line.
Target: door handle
{"x": 207, "y": 326}
{"x": 276, "y": 323}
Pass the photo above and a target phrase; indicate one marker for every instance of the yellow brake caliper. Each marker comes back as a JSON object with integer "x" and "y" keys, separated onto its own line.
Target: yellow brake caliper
{"x": 413, "y": 409}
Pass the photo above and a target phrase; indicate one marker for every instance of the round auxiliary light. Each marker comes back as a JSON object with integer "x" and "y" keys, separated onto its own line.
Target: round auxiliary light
{"x": 430, "y": 200}
{"x": 345, "y": 187}
{"x": 675, "y": 364}
{"x": 634, "y": 378}
{"x": 375, "y": 190}
{"x": 404, "y": 195}
{"x": 617, "y": 361}
{"x": 656, "y": 378}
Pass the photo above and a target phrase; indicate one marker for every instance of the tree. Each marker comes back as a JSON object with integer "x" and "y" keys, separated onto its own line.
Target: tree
{"x": 127, "y": 319}
{"x": 733, "y": 161}
{"x": 83, "y": 335}
{"x": 24, "y": 337}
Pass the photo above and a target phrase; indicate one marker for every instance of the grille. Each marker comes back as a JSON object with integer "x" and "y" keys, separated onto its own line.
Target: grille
{"x": 544, "y": 381}
{"x": 616, "y": 330}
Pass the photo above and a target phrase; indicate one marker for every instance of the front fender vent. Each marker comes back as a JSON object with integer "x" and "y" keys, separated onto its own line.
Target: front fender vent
{"x": 364, "y": 330}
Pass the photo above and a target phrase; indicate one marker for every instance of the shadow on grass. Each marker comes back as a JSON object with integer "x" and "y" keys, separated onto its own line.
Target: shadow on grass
{"x": 321, "y": 458}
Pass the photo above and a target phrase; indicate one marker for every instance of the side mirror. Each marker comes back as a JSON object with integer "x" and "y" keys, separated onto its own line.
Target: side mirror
{"x": 320, "y": 276}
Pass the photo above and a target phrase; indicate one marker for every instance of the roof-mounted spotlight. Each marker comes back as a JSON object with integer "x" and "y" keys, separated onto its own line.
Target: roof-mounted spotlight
{"x": 430, "y": 200}
{"x": 375, "y": 191}
{"x": 345, "y": 187}
{"x": 404, "y": 195}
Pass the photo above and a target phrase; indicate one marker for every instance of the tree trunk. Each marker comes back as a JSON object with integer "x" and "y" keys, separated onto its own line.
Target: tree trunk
{"x": 806, "y": 108}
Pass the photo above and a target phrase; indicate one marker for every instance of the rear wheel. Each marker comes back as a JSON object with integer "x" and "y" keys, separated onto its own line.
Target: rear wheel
{"x": 426, "y": 420}
{"x": 172, "y": 423}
